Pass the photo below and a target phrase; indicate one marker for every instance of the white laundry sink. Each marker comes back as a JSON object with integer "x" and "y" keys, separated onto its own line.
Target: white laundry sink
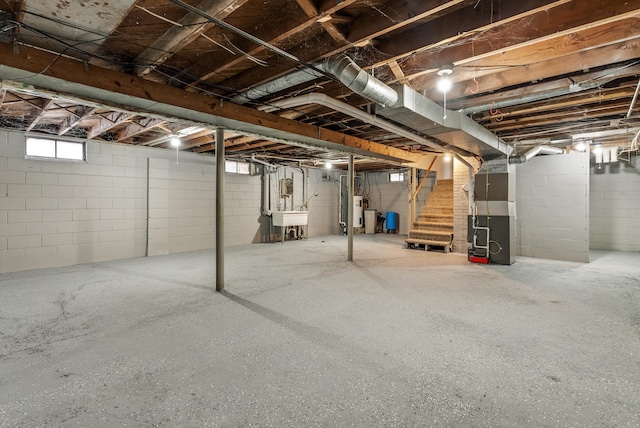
{"x": 289, "y": 218}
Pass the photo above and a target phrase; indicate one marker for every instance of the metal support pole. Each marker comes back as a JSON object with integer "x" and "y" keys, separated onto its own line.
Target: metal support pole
{"x": 219, "y": 209}
{"x": 350, "y": 211}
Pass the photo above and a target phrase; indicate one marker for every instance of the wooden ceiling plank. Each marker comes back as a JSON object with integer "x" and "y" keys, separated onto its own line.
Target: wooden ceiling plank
{"x": 548, "y": 88}
{"x": 3, "y": 92}
{"x": 177, "y": 37}
{"x": 554, "y": 118}
{"x": 585, "y": 60}
{"x": 498, "y": 40}
{"x": 308, "y": 8}
{"x": 314, "y": 18}
{"x": 136, "y": 128}
{"x": 395, "y": 14}
{"x": 108, "y": 122}
{"x": 114, "y": 82}
{"x": 43, "y": 110}
{"x": 197, "y": 142}
{"x": 623, "y": 96}
{"x": 383, "y": 25}
{"x": 82, "y": 112}
{"x": 457, "y": 27}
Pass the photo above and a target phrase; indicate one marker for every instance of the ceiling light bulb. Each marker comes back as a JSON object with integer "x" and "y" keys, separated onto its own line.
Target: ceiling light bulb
{"x": 444, "y": 83}
{"x": 447, "y": 158}
{"x": 597, "y": 150}
{"x": 328, "y": 165}
{"x": 580, "y": 147}
{"x": 175, "y": 142}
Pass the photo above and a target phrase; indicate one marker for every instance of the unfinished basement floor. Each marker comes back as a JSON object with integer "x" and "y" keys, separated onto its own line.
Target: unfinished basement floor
{"x": 303, "y": 338}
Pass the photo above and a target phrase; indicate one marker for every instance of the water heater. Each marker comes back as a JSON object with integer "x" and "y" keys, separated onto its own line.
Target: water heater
{"x": 358, "y": 211}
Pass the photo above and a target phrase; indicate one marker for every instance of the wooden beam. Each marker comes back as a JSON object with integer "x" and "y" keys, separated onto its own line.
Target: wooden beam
{"x": 43, "y": 110}
{"x": 363, "y": 33}
{"x": 81, "y": 113}
{"x": 244, "y": 118}
{"x": 582, "y": 100}
{"x": 536, "y": 34}
{"x": 108, "y": 122}
{"x": 3, "y": 92}
{"x": 568, "y": 64}
{"x": 18, "y": 12}
{"x": 396, "y": 14}
{"x": 212, "y": 64}
{"x": 139, "y": 127}
{"x": 177, "y": 37}
{"x": 424, "y": 178}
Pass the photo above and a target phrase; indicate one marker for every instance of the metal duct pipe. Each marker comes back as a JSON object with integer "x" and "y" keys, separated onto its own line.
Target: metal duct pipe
{"x": 360, "y": 82}
{"x": 342, "y": 67}
{"x": 539, "y": 150}
{"x": 345, "y": 108}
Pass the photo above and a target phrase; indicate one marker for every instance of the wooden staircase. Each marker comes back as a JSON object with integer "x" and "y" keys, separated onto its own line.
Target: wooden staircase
{"x": 434, "y": 227}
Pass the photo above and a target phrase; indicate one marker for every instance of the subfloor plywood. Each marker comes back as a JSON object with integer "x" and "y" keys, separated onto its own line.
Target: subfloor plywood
{"x": 302, "y": 337}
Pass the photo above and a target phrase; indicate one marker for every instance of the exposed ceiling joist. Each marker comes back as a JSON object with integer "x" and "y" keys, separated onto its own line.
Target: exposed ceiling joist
{"x": 104, "y": 83}
{"x": 43, "y": 111}
{"x": 189, "y": 28}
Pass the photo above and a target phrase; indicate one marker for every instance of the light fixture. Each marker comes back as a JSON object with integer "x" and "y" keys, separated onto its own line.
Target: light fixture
{"x": 597, "y": 151}
{"x": 175, "y": 142}
{"x": 447, "y": 158}
{"x": 580, "y": 147}
{"x": 328, "y": 165}
{"x": 444, "y": 85}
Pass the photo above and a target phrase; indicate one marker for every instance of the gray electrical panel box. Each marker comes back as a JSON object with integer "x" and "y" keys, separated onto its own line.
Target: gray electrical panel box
{"x": 286, "y": 187}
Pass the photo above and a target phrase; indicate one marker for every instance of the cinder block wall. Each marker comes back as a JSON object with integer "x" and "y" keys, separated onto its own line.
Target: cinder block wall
{"x": 552, "y": 203}
{"x": 387, "y": 196}
{"x": 615, "y": 206}
{"x": 58, "y": 213}
{"x": 461, "y": 191}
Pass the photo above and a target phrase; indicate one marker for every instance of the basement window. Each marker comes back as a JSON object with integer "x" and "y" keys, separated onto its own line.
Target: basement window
{"x": 396, "y": 176}
{"x": 236, "y": 167}
{"x": 55, "y": 149}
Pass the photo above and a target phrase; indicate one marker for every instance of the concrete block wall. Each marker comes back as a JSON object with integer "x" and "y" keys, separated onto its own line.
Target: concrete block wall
{"x": 461, "y": 203}
{"x": 553, "y": 207}
{"x": 387, "y": 196}
{"x": 56, "y": 213}
{"x": 614, "y": 206}
{"x": 323, "y": 203}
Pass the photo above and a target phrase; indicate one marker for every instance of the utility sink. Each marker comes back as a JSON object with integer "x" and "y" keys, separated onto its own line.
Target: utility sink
{"x": 290, "y": 218}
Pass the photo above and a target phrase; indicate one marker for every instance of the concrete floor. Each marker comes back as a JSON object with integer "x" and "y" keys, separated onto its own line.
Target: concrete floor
{"x": 303, "y": 338}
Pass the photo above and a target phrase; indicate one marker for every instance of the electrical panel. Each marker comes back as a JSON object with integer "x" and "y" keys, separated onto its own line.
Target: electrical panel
{"x": 286, "y": 187}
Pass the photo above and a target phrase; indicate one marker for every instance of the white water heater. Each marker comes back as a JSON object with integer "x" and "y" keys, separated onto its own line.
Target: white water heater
{"x": 358, "y": 211}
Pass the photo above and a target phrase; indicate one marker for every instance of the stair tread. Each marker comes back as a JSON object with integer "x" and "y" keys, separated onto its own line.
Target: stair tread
{"x": 431, "y": 223}
{"x": 426, "y": 241}
{"x": 430, "y": 232}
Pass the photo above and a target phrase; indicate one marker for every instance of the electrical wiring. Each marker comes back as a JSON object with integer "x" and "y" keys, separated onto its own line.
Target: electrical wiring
{"x": 249, "y": 56}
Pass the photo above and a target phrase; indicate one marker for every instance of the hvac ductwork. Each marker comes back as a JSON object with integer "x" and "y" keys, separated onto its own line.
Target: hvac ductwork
{"x": 539, "y": 150}
{"x": 332, "y": 103}
{"x": 415, "y": 111}
{"x": 342, "y": 68}
{"x": 360, "y": 82}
